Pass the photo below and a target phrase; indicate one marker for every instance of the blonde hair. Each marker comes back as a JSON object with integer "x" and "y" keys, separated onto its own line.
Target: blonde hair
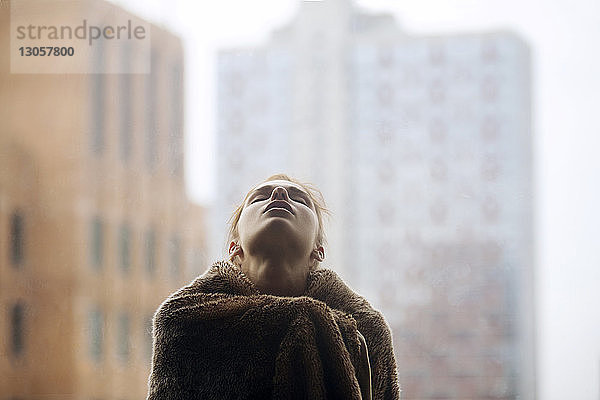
{"x": 315, "y": 196}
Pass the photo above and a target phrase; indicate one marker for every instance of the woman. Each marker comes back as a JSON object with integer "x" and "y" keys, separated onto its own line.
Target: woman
{"x": 270, "y": 323}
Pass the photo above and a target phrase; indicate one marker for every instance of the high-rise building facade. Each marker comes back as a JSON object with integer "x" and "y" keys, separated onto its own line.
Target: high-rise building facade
{"x": 422, "y": 148}
{"x": 96, "y": 229}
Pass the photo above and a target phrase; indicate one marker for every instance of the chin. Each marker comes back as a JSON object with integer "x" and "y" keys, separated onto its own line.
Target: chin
{"x": 277, "y": 237}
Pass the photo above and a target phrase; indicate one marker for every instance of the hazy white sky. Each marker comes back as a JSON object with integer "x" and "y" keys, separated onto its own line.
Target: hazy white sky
{"x": 565, "y": 41}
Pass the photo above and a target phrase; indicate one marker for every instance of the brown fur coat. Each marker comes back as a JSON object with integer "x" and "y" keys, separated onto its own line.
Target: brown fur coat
{"x": 219, "y": 338}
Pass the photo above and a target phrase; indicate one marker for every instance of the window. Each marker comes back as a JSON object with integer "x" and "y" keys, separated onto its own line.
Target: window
{"x": 489, "y": 89}
{"x": 126, "y": 126}
{"x": 96, "y": 334}
{"x": 125, "y": 247}
{"x": 490, "y": 209}
{"x": 97, "y": 243}
{"x": 490, "y": 169}
{"x": 385, "y": 56}
{"x": 437, "y": 92}
{"x": 489, "y": 51}
{"x": 151, "y": 114}
{"x": 17, "y": 322}
{"x": 385, "y": 133}
{"x": 17, "y": 245}
{"x": 236, "y": 123}
{"x": 174, "y": 255}
{"x": 176, "y": 128}
{"x": 123, "y": 347}
{"x": 150, "y": 251}
{"x": 98, "y": 93}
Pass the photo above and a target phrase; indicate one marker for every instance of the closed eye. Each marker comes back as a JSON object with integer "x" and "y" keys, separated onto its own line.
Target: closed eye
{"x": 300, "y": 200}
{"x": 258, "y": 199}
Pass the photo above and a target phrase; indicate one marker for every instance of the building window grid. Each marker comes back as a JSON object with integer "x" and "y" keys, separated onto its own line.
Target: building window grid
{"x": 439, "y": 136}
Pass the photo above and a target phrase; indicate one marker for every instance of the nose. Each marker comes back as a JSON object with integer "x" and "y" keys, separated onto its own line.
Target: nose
{"x": 279, "y": 193}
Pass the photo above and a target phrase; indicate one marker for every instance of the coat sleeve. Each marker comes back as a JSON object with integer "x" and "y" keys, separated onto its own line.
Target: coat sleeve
{"x": 166, "y": 381}
{"x": 382, "y": 361}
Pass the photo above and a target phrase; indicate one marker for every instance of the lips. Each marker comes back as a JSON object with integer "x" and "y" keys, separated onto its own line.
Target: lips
{"x": 279, "y": 204}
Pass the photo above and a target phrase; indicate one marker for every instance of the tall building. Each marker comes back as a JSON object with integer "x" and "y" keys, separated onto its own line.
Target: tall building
{"x": 95, "y": 226}
{"x": 422, "y": 148}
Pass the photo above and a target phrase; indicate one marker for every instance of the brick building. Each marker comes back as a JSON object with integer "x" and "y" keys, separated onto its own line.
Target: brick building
{"x": 95, "y": 226}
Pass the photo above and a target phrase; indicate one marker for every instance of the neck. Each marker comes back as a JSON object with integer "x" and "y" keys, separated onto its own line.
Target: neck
{"x": 279, "y": 277}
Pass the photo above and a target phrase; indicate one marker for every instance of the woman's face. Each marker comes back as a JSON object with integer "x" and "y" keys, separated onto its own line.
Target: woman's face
{"x": 278, "y": 216}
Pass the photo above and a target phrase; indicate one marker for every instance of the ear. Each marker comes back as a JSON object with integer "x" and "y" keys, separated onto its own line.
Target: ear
{"x": 318, "y": 254}
{"x": 235, "y": 250}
